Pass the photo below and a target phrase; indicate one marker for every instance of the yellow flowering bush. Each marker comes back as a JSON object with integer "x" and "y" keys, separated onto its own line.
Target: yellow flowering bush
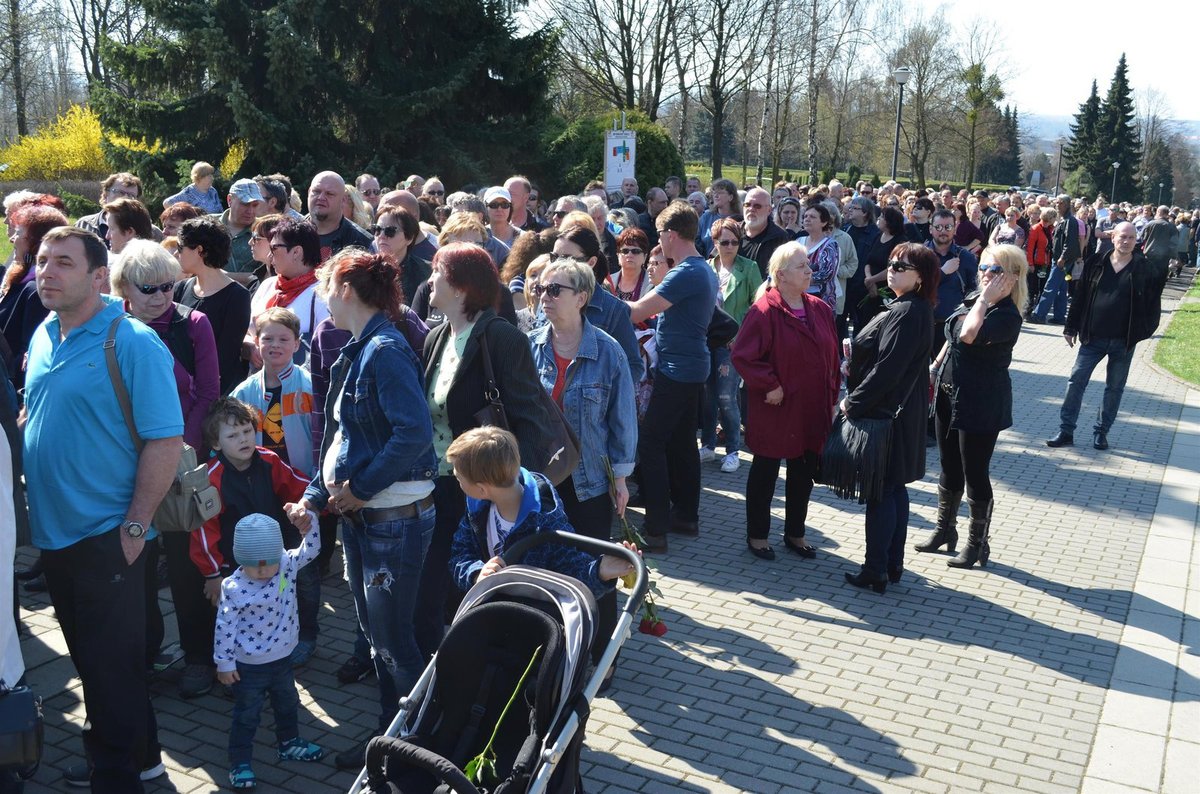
{"x": 69, "y": 148}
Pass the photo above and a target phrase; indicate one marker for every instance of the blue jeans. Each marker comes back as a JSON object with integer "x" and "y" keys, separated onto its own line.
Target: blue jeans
{"x": 721, "y": 399}
{"x": 1119, "y": 359}
{"x": 384, "y": 562}
{"x": 887, "y": 531}
{"x": 1054, "y": 295}
{"x": 255, "y": 683}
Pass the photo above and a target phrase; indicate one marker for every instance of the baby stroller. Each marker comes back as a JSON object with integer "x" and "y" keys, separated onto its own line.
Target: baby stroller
{"x": 459, "y": 700}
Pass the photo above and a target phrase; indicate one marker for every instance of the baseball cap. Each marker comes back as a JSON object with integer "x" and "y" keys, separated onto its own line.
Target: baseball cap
{"x": 493, "y": 193}
{"x": 246, "y": 191}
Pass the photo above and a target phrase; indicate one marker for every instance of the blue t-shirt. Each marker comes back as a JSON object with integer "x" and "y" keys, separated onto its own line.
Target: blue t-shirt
{"x": 682, "y": 331}
{"x": 80, "y": 463}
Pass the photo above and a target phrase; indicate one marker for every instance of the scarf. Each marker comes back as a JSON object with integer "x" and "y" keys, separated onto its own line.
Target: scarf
{"x": 288, "y": 289}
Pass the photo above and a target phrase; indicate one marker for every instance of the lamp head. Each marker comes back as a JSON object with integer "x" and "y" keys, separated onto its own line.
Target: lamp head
{"x": 901, "y": 74}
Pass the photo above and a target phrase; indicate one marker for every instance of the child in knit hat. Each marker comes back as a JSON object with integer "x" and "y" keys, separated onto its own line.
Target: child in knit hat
{"x": 255, "y": 635}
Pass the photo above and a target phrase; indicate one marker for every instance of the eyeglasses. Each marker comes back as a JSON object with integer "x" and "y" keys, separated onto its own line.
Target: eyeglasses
{"x": 256, "y": 238}
{"x": 284, "y": 246}
{"x": 559, "y": 214}
{"x": 900, "y": 266}
{"x": 387, "y": 231}
{"x": 116, "y": 193}
{"x": 727, "y": 243}
{"x": 500, "y": 205}
{"x": 553, "y": 290}
{"x": 630, "y": 251}
{"x": 371, "y": 192}
{"x": 994, "y": 269}
{"x": 939, "y": 227}
{"x": 150, "y": 289}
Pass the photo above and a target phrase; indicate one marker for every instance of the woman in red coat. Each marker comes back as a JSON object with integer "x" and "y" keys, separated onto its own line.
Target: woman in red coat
{"x": 787, "y": 352}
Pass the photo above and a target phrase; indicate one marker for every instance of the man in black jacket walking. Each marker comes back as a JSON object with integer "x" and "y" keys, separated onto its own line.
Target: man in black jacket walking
{"x": 1118, "y": 304}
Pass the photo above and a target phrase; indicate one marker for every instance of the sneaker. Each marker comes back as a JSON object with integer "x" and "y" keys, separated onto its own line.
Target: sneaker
{"x": 354, "y": 670}
{"x": 81, "y": 774}
{"x": 730, "y": 463}
{"x": 197, "y": 680}
{"x": 242, "y": 777}
{"x": 302, "y": 653}
{"x": 707, "y": 454}
{"x": 166, "y": 657}
{"x": 300, "y": 750}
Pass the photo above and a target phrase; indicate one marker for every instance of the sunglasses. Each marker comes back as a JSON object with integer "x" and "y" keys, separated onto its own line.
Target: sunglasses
{"x": 371, "y": 192}
{"x": 150, "y": 289}
{"x": 727, "y": 243}
{"x": 559, "y": 214}
{"x": 631, "y": 251}
{"x": 994, "y": 269}
{"x": 500, "y": 205}
{"x": 900, "y": 266}
{"x": 387, "y": 231}
{"x": 553, "y": 290}
{"x": 435, "y": 192}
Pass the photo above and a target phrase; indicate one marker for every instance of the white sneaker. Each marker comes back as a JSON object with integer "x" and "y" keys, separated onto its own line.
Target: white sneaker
{"x": 707, "y": 455}
{"x": 730, "y": 463}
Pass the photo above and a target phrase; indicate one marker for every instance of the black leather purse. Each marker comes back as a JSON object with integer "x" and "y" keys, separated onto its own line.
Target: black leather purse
{"x": 21, "y": 729}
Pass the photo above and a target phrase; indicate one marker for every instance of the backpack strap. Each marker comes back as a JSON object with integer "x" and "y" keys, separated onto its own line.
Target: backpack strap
{"x": 118, "y": 383}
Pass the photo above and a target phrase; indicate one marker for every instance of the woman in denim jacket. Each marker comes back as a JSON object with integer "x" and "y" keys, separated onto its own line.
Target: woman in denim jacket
{"x": 376, "y": 469}
{"x": 586, "y": 373}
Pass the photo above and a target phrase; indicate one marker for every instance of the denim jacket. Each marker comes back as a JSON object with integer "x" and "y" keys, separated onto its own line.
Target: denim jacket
{"x": 611, "y": 315}
{"x": 386, "y": 440}
{"x": 541, "y": 511}
{"x": 598, "y": 404}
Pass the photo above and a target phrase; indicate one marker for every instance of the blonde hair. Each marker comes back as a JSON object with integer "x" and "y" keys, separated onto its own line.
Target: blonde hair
{"x": 361, "y": 212}
{"x": 1013, "y": 260}
{"x": 535, "y": 270}
{"x": 201, "y": 170}
{"x": 142, "y": 262}
{"x": 458, "y": 226}
{"x": 486, "y": 456}
{"x": 279, "y": 316}
{"x": 578, "y": 274}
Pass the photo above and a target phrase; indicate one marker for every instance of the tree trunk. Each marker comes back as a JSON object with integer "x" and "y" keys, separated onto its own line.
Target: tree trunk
{"x": 813, "y": 91}
{"x": 17, "y": 50}
{"x": 718, "y": 135}
{"x": 762, "y": 124}
{"x": 973, "y": 118}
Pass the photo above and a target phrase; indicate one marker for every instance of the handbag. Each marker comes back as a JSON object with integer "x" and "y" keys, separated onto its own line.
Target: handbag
{"x": 722, "y": 328}
{"x": 21, "y": 730}
{"x": 191, "y": 499}
{"x": 561, "y": 455}
{"x": 855, "y": 458}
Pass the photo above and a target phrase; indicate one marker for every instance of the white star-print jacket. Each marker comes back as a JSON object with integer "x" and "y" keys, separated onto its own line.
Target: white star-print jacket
{"x": 256, "y": 621}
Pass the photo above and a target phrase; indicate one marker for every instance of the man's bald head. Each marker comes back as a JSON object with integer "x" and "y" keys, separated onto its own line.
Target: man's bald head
{"x": 325, "y": 197}
{"x": 402, "y": 199}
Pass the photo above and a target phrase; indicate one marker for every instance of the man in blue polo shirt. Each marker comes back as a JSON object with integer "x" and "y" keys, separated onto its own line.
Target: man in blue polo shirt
{"x": 667, "y": 453}
{"x": 92, "y": 495}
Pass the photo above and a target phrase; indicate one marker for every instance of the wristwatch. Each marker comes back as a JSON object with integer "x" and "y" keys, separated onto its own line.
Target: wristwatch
{"x": 133, "y": 529}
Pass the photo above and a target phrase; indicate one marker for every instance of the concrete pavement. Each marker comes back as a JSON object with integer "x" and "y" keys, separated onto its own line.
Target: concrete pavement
{"x": 1069, "y": 664}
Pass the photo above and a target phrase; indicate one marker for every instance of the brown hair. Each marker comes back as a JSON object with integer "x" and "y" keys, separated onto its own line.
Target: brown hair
{"x": 470, "y": 268}
{"x": 226, "y": 410}
{"x": 279, "y": 316}
{"x": 929, "y": 269}
{"x": 679, "y": 217}
{"x": 127, "y": 213}
{"x": 486, "y": 456}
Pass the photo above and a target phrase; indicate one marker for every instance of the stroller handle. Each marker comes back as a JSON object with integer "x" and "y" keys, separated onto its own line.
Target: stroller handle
{"x": 402, "y": 751}
{"x": 593, "y": 546}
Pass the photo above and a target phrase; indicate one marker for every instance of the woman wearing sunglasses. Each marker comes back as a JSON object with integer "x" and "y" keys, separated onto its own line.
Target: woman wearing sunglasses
{"x": 585, "y": 372}
{"x": 973, "y": 398}
{"x": 395, "y": 232}
{"x": 886, "y": 369}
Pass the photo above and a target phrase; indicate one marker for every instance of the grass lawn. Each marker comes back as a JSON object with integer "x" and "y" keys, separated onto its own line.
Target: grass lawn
{"x": 1178, "y": 351}
{"x": 5, "y": 249}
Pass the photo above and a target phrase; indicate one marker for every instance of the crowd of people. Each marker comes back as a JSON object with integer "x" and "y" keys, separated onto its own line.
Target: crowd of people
{"x": 336, "y": 368}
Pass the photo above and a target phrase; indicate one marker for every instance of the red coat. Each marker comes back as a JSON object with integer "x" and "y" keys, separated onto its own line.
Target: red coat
{"x": 774, "y": 348}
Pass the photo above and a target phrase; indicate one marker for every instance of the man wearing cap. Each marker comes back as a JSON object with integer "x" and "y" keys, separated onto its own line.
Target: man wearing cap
{"x": 246, "y": 203}
{"x": 499, "y": 205}
{"x": 368, "y": 186}
{"x": 325, "y": 197}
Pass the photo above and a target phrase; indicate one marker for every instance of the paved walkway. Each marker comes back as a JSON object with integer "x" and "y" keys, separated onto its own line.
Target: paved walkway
{"x": 1069, "y": 664}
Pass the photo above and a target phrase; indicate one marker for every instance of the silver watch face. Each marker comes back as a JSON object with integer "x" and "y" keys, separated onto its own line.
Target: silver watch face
{"x": 133, "y": 529}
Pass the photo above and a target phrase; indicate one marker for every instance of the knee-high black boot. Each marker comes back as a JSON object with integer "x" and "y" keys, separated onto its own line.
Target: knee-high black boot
{"x": 946, "y": 530}
{"x": 977, "y": 549}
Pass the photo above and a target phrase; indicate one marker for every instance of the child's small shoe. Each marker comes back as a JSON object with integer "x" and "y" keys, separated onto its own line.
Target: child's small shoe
{"x": 299, "y": 750}
{"x": 242, "y": 777}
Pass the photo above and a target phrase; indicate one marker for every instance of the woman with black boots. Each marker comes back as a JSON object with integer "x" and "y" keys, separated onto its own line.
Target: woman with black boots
{"x": 973, "y": 398}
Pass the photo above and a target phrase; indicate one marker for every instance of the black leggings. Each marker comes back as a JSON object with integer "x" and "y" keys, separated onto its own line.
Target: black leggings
{"x": 593, "y": 518}
{"x": 760, "y": 489}
{"x": 966, "y": 457}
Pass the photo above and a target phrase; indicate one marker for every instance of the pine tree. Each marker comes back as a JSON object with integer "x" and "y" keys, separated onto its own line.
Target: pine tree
{"x": 423, "y": 85}
{"x": 1010, "y": 163}
{"x": 1081, "y": 151}
{"x": 1117, "y": 138}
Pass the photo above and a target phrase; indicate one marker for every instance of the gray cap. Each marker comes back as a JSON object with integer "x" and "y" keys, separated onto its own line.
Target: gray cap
{"x": 246, "y": 191}
{"x": 257, "y": 540}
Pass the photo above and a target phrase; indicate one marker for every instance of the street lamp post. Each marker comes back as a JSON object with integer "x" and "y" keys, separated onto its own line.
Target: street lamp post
{"x": 1112, "y": 199}
{"x": 901, "y": 75}
{"x": 1160, "y": 187}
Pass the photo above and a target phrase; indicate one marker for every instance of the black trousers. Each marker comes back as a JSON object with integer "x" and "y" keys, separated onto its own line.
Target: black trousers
{"x": 194, "y": 614}
{"x": 668, "y": 457}
{"x": 100, "y": 602}
{"x": 155, "y": 629}
{"x": 436, "y": 592}
{"x": 966, "y": 457}
{"x": 760, "y": 490}
{"x": 593, "y": 518}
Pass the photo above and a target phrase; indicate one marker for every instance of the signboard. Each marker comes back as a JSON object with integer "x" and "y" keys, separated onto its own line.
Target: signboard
{"x": 620, "y": 155}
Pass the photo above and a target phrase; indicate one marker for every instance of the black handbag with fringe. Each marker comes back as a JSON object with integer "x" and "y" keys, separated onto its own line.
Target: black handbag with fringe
{"x": 856, "y": 454}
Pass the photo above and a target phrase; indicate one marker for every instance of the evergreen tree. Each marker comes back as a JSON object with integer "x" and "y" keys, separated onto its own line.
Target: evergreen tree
{"x": 1117, "y": 138}
{"x": 1081, "y": 151}
{"x": 1010, "y": 158}
{"x": 423, "y": 85}
{"x": 1157, "y": 167}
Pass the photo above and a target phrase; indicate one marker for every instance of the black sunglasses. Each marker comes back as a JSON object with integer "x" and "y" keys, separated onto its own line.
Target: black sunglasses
{"x": 150, "y": 289}
{"x": 630, "y": 251}
{"x": 900, "y": 266}
{"x": 387, "y": 231}
{"x": 559, "y": 214}
{"x": 553, "y": 290}
{"x": 500, "y": 205}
